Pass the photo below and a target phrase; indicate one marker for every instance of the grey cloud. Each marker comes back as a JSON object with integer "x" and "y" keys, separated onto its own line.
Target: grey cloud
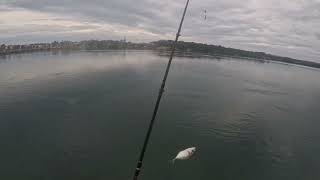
{"x": 36, "y": 28}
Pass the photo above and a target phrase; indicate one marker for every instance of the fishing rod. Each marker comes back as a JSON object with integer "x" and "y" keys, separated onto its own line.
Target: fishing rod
{"x": 155, "y": 111}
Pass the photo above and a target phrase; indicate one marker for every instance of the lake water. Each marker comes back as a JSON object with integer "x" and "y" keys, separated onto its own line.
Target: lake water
{"x": 83, "y": 116}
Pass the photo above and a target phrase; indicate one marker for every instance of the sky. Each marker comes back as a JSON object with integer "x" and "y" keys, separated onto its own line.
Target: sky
{"x": 282, "y": 27}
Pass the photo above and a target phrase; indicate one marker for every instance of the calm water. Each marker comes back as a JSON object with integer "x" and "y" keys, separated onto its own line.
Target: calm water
{"x": 83, "y": 116}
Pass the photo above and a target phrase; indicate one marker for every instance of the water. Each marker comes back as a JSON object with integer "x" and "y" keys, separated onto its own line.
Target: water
{"x": 83, "y": 116}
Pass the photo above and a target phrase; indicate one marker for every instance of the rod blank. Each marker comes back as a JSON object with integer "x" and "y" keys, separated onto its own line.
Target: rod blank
{"x": 155, "y": 111}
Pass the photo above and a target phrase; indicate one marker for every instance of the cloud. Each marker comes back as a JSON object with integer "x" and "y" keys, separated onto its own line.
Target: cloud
{"x": 286, "y": 27}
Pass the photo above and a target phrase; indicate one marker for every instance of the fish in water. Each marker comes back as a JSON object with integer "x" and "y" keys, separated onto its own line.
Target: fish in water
{"x": 185, "y": 154}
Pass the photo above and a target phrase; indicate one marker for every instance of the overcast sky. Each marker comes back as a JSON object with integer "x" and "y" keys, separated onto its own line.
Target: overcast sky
{"x": 283, "y": 27}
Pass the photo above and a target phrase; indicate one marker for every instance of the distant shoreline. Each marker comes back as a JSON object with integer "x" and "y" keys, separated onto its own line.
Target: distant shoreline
{"x": 186, "y": 49}
{"x": 219, "y": 56}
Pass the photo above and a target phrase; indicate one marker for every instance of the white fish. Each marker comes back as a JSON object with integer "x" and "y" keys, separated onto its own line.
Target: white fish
{"x": 185, "y": 154}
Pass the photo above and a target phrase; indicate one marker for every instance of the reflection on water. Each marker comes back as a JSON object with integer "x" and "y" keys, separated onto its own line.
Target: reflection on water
{"x": 44, "y": 64}
{"x": 83, "y": 115}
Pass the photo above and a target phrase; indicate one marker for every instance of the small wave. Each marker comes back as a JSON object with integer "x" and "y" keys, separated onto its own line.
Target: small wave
{"x": 249, "y": 115}
{"x": 58, "y": 73}
{"x": 264, "y": 92}
{"x": 239, "y": 130}
{"x": 261, "y": 83}
{"x": 283, "y": 108}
